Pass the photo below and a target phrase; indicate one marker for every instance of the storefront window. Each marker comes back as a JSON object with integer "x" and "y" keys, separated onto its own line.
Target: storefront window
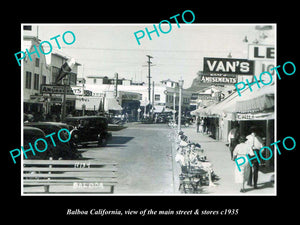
{"x": 44, "y": 79}
{"x": 157, "y": 97}
{"x": 28, "y": 80}
{"x": 37, "y": 62}
{"x": 36, "y": 82}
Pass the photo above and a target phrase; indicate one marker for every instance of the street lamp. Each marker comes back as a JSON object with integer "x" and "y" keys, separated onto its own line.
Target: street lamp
{"x": 174, "y": 106}
{"x": 179, "y": 104}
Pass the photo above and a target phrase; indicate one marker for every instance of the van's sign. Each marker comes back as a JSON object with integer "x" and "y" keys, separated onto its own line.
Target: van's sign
{"x": 228, "y": 66}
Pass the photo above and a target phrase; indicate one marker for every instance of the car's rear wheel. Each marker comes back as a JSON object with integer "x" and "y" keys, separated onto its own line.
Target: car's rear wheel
{"x": 102, "y": 142}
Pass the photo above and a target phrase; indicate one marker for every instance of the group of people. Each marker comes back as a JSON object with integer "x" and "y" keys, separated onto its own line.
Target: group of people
{"x": 190, "y": 155}
{"x": 242, "y": 146}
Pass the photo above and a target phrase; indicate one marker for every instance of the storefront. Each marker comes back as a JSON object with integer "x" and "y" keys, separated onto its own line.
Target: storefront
{"x": 257, "y": 109}
{"x": 130, "y": 102}
{"x": 88, "y": 105}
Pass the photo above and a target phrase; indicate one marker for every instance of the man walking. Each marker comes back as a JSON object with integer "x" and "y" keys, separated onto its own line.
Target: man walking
{"x": 256, "y": 144}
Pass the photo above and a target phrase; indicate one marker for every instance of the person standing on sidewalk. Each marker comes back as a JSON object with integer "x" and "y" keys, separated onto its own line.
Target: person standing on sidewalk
{"x": 241, "y": 150}
{"x": 205, "y": 125}
{"x": 201, "y": 125}
{"x": 256, "y": 144}
{"x": 233, "y": 138}
{"x": 198, "y": 123}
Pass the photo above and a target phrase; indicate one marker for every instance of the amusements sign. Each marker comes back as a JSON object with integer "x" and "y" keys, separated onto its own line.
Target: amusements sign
{"x": 225, "y": 70}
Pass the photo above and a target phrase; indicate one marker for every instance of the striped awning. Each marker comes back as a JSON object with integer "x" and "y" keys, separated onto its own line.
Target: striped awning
{"x": 260, "y": 101}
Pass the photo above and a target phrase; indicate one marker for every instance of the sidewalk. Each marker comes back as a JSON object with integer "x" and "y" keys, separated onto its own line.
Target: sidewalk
{"x": 218, "y": 154}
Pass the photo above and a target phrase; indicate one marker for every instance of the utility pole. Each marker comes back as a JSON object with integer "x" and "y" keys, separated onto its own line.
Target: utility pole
{"x": 152, "y": 98}
{"x": 116, "y": 86}
{"x": 149, "y": 77}
{"x": 179, "y": 103}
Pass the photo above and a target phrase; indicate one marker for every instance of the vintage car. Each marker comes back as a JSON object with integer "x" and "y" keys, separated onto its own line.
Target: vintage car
{"x": 31, "y": 134}
{"x": 62, "y": 150}
{"x": 89, "y": 130}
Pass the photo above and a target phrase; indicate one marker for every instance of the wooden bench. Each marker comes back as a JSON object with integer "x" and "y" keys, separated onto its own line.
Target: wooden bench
{"x": 85, "y": 176}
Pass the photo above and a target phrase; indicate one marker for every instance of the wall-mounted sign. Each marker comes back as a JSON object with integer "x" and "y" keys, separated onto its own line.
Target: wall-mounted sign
{"x": 55, "y": 89}
{"x": 254, "y": 116}
{"x": 261, "y": 52}
{"x": 207, "y": 97}
{"x": 228, "y": 66}
{"x": 218, "y": 79}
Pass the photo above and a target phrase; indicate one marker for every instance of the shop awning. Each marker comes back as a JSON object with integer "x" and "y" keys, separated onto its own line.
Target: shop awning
{"x": 260, "y": 101}
{"x": 111, "y": 104}
{"x": 229, "y": 102}
{"x": 199, "y": 112}
{"x": 158, "y": 108}
{"x": 87, "y": 102}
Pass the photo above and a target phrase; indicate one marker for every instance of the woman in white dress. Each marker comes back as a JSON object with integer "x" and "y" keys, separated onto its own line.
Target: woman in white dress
{"x": 241, "y": 150}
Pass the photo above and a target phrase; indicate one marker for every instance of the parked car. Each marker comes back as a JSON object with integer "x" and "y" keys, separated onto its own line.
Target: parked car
{"x": 31, "y": 134}
{"x": 63, "y": 150}
{"x": 89, "y": 130}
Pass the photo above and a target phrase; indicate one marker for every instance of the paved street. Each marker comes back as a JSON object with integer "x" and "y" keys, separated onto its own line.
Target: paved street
{"x": 146, "y": 154}
{"x": 143, "y": 153}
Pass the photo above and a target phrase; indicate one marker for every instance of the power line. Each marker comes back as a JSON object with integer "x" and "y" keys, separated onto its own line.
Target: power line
{"x": 139, "y": 50}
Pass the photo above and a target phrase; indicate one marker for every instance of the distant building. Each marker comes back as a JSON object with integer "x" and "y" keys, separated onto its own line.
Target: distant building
{"x": 99, "y": 80}
{"x": 165, "y": 92}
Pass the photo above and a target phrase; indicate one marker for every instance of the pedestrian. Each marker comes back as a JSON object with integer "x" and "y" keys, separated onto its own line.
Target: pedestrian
{"x": 198, "y": 123}
{"x": 241, "y": 150}
{"x": 155, "y": 118}
{"x": 208, "y": 123}
{"x": 205, "y": 125}
{"x": 233, "y": 138}
{"x": 201, "y": 126}
{"x": 256, "y": 144}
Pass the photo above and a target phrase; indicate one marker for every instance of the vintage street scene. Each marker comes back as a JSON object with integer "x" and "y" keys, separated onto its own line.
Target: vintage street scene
{"x": 187, "y": 112}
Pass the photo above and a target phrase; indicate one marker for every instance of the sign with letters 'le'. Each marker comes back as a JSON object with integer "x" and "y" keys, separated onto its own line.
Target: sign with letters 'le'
{"x": 261, "y": 52}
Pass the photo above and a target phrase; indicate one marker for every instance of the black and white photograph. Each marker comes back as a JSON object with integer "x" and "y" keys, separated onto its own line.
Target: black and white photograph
{"x": 160, "y": 115}
{"x": 146, "y": 112}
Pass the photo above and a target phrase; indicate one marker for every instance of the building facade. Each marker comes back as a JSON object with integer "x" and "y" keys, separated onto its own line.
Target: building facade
{"x": 163, "y": 95}
{"x": 35, "y": 73}
{"x": 39, "y": 70}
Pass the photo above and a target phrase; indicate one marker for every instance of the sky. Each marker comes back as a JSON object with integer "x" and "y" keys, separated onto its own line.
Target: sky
{"x": 104, "y": 49}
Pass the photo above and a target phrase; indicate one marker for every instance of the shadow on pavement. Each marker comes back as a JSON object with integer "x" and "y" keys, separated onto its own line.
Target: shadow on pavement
{"x": 266, "y": 169}
{"x": 115, "y": 141}
{"x": 115, "y": 146}
{"x": 120, "y": 140}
